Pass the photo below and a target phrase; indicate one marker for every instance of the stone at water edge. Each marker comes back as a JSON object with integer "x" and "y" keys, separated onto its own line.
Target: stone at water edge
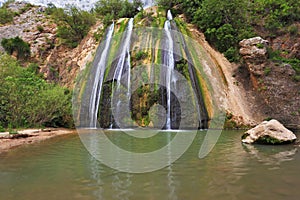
{"x": 269, "y": 132}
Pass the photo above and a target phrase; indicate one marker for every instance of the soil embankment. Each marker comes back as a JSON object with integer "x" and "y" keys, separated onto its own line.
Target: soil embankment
{"x": 30, "y": 136}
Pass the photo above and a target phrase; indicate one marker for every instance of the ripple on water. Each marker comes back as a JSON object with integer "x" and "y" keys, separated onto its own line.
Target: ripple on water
{"x": 230, "y": 171}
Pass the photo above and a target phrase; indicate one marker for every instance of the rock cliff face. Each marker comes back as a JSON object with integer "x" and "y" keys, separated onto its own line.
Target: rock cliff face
{"x": 272, "y": 81}
{"x": 57, "y": 62}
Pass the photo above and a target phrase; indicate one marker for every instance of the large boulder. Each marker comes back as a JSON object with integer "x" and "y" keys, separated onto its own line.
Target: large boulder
{"x": 269, "y": 132}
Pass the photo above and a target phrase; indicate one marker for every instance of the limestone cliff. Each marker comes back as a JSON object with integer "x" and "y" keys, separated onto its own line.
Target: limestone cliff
{"x": 272, "y": 81}
{"x": 57, "y": 62}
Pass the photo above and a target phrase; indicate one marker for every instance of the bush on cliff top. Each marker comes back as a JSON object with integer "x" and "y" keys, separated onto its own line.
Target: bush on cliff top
{"x": 73, "y": 23}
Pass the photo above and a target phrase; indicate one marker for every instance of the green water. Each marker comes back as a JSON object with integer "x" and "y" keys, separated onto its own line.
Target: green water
{"x": 61, "y": 168}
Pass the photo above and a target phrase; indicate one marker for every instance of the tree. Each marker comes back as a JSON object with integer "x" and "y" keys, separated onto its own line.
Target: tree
{"x": 73, "y": 23}
{"x": 190, "y": 7}
{"x": 168, "y": 4}
{"x": 223, "y": 22}
{"x": 118, "y": 8}
{"x": 6, "y": 15}
{"x": 27, "y": 100}
{"x": 277, "y": 13}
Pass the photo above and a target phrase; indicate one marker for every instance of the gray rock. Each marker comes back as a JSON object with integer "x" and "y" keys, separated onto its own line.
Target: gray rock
{"x": 269, "y": 132}
{"x": 254, "y": 52}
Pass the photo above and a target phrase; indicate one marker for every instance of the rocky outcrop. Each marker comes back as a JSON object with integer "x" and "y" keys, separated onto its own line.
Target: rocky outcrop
{"x": 269, "y": 132}
{"x": 57, "y": 62}
{"x": 62, "y": 64}
{"x": 272, "y": 80}
{"x": 33, "y": 27}
{"x": 254, "y": 53}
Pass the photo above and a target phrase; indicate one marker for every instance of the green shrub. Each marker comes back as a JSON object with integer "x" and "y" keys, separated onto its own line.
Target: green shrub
{"x": 98, "y": 35}
{"x": 29, "y": 101}
{"x": 267, "y": 71}
{"x": 34, "y": 68}
{"x": 51, "y": 8}
{"x": 16, "y": 44}
{"x": 27, "y": 7}
{"x": 260, "y": 45}
{"x": 141, "y": 55}
{"x": 6, "y": 15}
{"x": 40, "y": 28}
{"x": 232, "y": 54}
{"x": 2, "y": 129}
{"x": 183, "y": 68}
{"x": 296, "y": 78}
{"x": 13, "y": 132}
{"x": 118, "y": 8}
{"x": 293, "y": 30}
{"x": 73, "y": 23}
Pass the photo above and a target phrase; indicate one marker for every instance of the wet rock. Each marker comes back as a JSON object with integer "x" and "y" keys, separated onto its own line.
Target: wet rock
{"x": 269, "y": 132}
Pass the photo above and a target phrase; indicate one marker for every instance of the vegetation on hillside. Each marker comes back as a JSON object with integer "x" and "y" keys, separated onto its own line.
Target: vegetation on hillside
{"x": 6, "y": 15}
{"x": 110, "y": 10}
{"x": 73, "y": 23}
{"x": 29, "y": 101}
{"x": 226, "y": 22}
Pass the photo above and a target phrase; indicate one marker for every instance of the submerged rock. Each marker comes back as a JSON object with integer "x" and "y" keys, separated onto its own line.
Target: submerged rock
{"x": 269, "y": 132}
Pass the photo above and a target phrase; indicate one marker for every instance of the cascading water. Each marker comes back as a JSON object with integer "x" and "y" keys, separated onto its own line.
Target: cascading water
{"x": 124, "y": 58}
{"x": 170, "y": 63}
{"x": 148, "y": 3}
{"x": 169, "y": 15}
{"x": 97, "y": 86}
{"x": 111, "y": 108}
{"x": 123, "y": 65}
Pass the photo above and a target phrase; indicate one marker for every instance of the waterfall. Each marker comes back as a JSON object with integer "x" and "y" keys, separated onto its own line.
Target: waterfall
{"x": 148, "y": 3}
{"x": 97, "y": 86}
{"x": 170, "y": 63}
{"x": 123, "y": 65}
{"x": 124, "y": 58}
{"x": 169, "y": 15}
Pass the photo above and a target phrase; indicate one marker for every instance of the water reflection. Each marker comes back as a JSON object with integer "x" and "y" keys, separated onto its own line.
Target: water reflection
{"x": 223, "y": 179}
{"x": 271, "y": 155}
{"x": 121, "y": 185}
{"x": 230, "y": 171}
{"x": 96, "y": 171}
{"x": 171, "y": 184}
{"x": 170, "y": 175}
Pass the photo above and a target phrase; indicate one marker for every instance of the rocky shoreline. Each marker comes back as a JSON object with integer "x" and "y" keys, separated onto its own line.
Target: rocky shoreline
{"x": 30, "y": 136}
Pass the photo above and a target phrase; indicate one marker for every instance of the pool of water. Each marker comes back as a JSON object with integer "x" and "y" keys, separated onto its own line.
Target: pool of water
{"x": 61, "y": 168}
